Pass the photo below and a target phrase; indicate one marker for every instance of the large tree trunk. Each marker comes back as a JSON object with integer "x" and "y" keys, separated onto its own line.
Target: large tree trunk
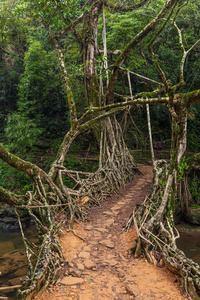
{"x": 90, "y": 51}
{"x": 114, "y": 154}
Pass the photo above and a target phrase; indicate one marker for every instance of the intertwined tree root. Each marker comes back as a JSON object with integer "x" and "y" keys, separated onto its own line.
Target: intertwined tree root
{"x": 157, "y": 234}
{"x": 52, "y": 203}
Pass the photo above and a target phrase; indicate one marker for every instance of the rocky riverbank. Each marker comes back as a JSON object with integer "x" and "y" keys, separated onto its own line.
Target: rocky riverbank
{"x": 8, "y": 219}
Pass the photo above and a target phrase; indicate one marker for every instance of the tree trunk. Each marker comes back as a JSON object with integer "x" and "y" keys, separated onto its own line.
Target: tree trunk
{"x": 108, "y": 133}
{"x": 150, "y": 134}
{"x": 89, "y": 56}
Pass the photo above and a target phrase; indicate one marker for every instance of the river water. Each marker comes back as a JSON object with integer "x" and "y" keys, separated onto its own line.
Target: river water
{"x": 13, "y": 265}
{"x": 189, "y": 241}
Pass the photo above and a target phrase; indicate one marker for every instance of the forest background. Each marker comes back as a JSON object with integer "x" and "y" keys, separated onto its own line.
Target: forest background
{"x": 34, "y": 114}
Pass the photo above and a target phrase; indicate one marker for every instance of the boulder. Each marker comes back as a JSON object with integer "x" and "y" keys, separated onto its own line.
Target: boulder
{"x": 193, "y": 216}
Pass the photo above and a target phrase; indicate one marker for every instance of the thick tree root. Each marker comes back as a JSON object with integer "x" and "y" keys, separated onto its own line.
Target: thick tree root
{"x": 52, "y": 204}
{"x": 157, "y": 234}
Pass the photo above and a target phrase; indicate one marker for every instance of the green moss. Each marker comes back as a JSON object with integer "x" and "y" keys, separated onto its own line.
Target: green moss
{"x": 188, "y": 98}
{"x": 195, "y": 206}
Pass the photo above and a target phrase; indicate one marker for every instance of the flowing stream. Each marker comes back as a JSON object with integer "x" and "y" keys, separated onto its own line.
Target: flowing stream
{"x": 189, "y": 241}
{"x": 13, "y": 260}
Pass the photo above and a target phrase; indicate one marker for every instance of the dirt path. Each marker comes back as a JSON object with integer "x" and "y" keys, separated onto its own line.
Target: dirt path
{"x": 100, "y": 266}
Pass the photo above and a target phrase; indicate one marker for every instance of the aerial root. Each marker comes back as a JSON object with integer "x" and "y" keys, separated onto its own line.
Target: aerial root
{"x": 157, "y": 234}
{"x": 75, "y": 234}
{"x": 52, "y": 204}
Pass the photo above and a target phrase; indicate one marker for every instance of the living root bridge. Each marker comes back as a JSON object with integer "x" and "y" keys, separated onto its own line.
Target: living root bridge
{"x": 157, "y": 234}
{"x": 52, "y": 204}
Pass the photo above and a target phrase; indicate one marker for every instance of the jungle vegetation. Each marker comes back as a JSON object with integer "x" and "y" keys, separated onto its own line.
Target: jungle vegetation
{"x": 77, "y": 75}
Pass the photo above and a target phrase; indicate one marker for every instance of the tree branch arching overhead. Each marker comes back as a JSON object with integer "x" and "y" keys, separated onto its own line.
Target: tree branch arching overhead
{"x": 50, "y": 193}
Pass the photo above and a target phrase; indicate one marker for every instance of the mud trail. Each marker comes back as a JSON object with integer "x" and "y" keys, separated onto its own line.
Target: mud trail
{"x": 100, "y": 266}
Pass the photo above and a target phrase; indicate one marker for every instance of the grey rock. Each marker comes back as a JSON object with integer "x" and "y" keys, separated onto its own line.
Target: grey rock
{"x": 193, "y": 216}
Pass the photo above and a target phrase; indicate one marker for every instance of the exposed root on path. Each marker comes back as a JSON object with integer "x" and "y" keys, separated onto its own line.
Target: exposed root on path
{"x": 78, "y": 236}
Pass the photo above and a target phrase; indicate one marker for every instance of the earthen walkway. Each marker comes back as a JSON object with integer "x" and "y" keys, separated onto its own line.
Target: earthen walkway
{"x": 100, "y": 266}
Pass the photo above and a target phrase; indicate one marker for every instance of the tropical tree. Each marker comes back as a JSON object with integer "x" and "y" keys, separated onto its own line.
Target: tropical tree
{"x": 12, "y": 49}
{"x": 50, "y": 197}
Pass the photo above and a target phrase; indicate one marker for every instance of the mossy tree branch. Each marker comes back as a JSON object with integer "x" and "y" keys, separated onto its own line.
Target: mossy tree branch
{"x": 133, "y": 43}
{"x": 193, "y": 160}
{"x": 185, "y": 53}
{"x": 150, "y": 48}
{"x": 10, "y": 198}
{"x": 18, "y": 163}
{"x": 133, "y": 6}
{"x": 77, "y": 21}
{"x": 70, "y": 96}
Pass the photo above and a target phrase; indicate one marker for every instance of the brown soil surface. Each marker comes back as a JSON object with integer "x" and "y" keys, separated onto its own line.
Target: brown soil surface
{"x": 100, "y": 266}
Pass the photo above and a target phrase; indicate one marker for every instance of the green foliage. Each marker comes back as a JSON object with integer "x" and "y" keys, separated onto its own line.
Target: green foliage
{"x": 134, "y": 140}
{"x": 39, "y": 106}
{"x": 21, "y": 132}
{"x": 195, "y": 206}
{"x": 78, "y": 164}
{"x": 161, "y": 182}
{"x": 13, "y": 179}
{"x": 182, "y": 168}
{"x": 42, "y": 98}
{"x": 13, "y": 34}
